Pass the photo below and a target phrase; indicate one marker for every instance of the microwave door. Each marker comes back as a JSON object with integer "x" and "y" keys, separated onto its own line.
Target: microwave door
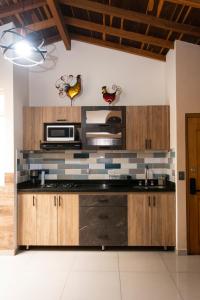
{"x": 60, "y": 133}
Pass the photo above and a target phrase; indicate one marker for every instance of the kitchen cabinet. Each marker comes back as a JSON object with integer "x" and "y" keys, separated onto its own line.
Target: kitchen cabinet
{"x": 46, "y": 227}
{"x": 27, "y": 219}
{"x": 103, "y": 220}
{"x": 34, "y": 117}
{"x": 151, "y": 219}
{"x": 147, "y": 128}
{"x": 46, "y": 219}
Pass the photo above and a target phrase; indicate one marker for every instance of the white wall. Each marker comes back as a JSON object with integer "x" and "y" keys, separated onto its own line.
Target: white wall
{"x": 141, "y": 79}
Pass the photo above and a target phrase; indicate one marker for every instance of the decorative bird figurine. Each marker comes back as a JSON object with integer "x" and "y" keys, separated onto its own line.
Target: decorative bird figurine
{"x": 68, "y": 85}
{"x": 110, "y": 97}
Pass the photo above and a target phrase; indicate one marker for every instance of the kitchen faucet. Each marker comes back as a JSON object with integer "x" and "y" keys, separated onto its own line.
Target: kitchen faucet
{"x": 146, "y": 175}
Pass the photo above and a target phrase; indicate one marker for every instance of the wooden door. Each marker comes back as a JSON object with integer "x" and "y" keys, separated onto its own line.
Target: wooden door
{"x": 27, "y": 219}
{"x": 193, "y": 176}
{"x": 158, "y": 128}
{"x": 33, "y": 128}
{"x": 163, "y": 219}
{"x": 46, "y": 220}
{"x": 62, "y": 113}
{"x": 139, "y": 219}
{"x": 136, "y": 127}
{"x": 68, "y": 220}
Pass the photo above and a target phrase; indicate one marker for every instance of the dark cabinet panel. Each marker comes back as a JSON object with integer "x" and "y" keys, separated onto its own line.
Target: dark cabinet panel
{"x": 103, "y": 200}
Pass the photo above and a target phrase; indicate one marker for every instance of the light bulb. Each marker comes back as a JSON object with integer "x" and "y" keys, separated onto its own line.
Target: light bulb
{"x": 23, "y": 48}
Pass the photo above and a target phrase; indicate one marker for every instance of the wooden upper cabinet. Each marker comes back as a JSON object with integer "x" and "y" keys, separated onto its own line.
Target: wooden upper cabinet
{"x": 32, "y": 128}
{"x": 147, "y": 128}
{"x": 136, "y": 127}
{"x": 27, "y": 219}
{"x": 158, "y": 127}
{"x": 34, "y": 117}
{"x": 60, "y": 113}
{"x": 68, "y": 220}
{"x": 139, "y": 220}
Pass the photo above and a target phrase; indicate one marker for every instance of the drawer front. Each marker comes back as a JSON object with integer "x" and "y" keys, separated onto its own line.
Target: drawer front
{"x": 103, "y": 200}
{"x": 103, "y": 226}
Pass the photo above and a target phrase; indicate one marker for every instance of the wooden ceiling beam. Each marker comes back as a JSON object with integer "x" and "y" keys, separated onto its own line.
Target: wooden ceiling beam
{"x": 191, "y": 3}
{"x": 119, "y": 32}
{"x": 118, "y": 47}
{"x": 16, "y": 8}
{"x": 61, "y": 26}
{"x": 134, "y": 16}
{"x": 42, "y": 25}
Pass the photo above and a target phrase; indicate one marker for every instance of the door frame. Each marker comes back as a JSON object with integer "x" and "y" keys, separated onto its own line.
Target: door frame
{"x": 187, "y": 117}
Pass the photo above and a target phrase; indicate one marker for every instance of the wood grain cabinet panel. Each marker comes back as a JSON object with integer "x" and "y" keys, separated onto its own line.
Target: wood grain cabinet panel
{"x": 158, "y": 127}
{"x": 139, "y": 220}
{"x": 136, "y": 127}
{"x": 58, "y": 113}
{"x": 147, "y": 128}
{"x": 27, "y": 219}
{"x": 46, "y": 220}
{"x": 68, "y": 220}
{"x": 151, "y": 219}
{"x": 163, "y": 220}
{"x": 33, "y": 128}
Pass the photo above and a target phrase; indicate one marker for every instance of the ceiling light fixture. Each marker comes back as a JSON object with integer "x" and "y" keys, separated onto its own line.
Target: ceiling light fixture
{"x": 23, "y": 47}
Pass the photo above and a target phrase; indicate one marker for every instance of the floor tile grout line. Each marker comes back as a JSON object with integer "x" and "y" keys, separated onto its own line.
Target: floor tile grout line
{"x": 67, "y": 278}
{"x": 170, "y": 274}
{"x": 119, "y": 274}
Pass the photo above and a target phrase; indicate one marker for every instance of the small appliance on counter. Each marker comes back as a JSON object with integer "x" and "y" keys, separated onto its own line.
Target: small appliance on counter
{"x": 34, "y": 176}
{"x": 61, "y": 136}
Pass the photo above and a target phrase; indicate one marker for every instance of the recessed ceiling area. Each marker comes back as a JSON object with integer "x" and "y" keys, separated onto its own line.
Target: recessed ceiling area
{"x": 143, "y": 27}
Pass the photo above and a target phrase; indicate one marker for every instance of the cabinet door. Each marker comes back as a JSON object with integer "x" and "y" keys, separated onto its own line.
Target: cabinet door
{"x": 136, "y": 127}
{"x": 139, "y": 220}
{"x": 26, "y": 219}
{"x": 66, "y": 113}
{"x": 158, "y": 128}
{"x": 68, "y": 220}
{"x": 46, "y": 220}
{"x": 33, "y": 128}
{"x": 163, "y": 219}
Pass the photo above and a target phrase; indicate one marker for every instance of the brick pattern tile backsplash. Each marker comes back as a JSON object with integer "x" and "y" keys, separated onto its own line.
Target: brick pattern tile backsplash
{"x": 96, "y": 164}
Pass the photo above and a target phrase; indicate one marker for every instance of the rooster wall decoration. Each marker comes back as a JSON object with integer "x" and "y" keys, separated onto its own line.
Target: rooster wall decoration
{"x": 69, "y": 86}
{"x": 110, "y": 97}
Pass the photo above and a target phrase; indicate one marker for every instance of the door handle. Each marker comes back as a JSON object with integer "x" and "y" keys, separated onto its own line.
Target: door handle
{"x": 154, "y": 201}
{"x": 59, "y": 201}
{"x": 149, "y": 144}
{"x": 55, "y": 198}
{"x": 33, "y": 200}
{"x": 149, "y": 199}
{"x": 146, "y": 144}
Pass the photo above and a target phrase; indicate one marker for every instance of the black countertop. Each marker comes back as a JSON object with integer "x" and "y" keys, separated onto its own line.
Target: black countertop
{"x": 78, "y": 186}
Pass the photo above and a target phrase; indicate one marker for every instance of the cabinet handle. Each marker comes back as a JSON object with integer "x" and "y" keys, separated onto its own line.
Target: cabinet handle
{"x": 55, "y": 198}
{"x": 103, "y": 237}
{"x": 149, "y": 199}
{"x": 59, "y": 200}
{"x": 149, "y": 144}
{"x": 154, "y": 201}
{"x": 33, "y": 200}
{"x": 103, "y": 200}
{"x": 103, "y": 217}
{"x": 146, "y": 144}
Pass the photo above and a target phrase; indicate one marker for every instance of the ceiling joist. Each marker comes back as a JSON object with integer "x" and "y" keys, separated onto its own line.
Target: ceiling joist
{"x": 191, "y": 3}
{"x": 59, "y": 22}
{"x": 119, "y": 32}
{"x": 16, "y": 8}
{"x": 134, "y": 16}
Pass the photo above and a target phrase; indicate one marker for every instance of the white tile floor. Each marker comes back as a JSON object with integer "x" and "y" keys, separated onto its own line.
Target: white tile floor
{"x": 97, "y": 275}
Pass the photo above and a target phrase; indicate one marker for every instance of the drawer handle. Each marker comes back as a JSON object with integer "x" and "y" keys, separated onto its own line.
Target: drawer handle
{"x": 103, "y": 236}
{"x": 103, "y": 200}
{"x": 55, "y": 198}
{"x": 103, "y": 217}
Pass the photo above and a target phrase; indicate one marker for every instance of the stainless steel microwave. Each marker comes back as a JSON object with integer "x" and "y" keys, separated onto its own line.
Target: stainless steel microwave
{"x": 59, "y": 132}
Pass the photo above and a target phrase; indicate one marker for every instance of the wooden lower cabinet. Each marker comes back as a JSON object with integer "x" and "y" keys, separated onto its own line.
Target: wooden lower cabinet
{"x": 151, "y": 219}
{"x": 48, "y": 219}
{"x": 68, "y": 220}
